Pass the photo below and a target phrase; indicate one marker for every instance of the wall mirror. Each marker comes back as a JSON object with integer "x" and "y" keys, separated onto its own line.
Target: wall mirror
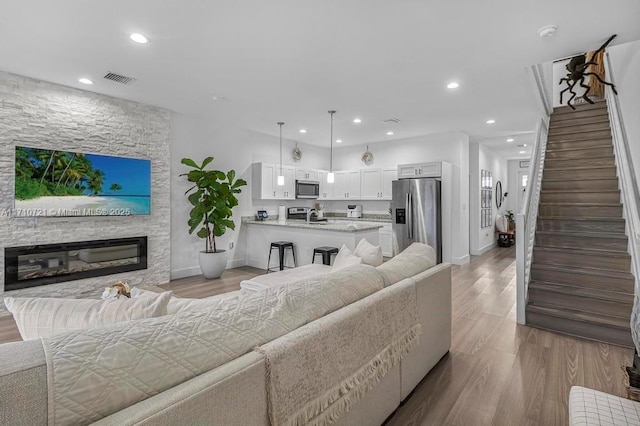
{"x": 499, "y": 196}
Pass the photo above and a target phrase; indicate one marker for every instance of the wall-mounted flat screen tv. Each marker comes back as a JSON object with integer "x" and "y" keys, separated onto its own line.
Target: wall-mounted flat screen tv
{"x": 62, "y": 183}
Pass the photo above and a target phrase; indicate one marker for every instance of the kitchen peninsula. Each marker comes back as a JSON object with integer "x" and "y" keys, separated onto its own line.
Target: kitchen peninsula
{"x": 305, "y": 237}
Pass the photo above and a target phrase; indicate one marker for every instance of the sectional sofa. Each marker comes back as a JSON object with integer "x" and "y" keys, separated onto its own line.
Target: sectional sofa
{"x": 239, "y": 391}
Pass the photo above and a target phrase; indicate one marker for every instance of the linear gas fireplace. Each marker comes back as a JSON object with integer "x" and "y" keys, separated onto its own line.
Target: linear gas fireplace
{"x": 31, "y": 266}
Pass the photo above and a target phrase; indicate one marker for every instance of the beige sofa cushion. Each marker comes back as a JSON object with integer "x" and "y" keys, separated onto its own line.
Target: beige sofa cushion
{"x": 416, "y": 258}
{"x": 44, "y": 317}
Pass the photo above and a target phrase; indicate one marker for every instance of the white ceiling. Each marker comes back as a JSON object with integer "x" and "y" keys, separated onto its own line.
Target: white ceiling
{"x": 293, "y": 60}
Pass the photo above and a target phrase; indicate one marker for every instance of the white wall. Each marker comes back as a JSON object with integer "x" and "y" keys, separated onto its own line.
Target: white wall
{"x": 235, "y": 149}
{"x": 625, "y": 63}
{"x": 482, "y": 158}
{"x": 450, "y": 147}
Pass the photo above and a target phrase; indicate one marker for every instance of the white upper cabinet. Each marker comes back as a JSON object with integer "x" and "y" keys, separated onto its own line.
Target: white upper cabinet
{"x": 306, "y": 174}
{"x": 420, "y": 170}
{"x": 326, "y": 189}
{"x": 346, "y": 185}
{"x": 265, "y": 182}
{"x": 371, "y": 184}
{"x": 376, "y": 183}
{"x": 288, "y": 190}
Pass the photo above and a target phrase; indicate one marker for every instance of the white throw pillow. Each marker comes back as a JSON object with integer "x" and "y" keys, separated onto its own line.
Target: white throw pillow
{"x": 370, "y": 254}
{"x": 44, "y": 317}
{"x": 344, "y": 258}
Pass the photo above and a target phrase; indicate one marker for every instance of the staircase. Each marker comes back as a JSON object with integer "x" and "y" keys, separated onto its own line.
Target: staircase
{"x": 580, "y": 274}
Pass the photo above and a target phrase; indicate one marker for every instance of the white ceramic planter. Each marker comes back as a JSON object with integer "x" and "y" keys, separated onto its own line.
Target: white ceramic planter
{"x": 212, "y": 265}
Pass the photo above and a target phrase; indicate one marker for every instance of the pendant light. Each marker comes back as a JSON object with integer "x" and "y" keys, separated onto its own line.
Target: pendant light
{"x": 330, "y": 175}
{"x": 281, "y": 175}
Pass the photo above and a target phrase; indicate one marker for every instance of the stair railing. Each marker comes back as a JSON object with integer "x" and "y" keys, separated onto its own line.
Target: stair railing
{"x": 526, "y": 221}
{"x": 626, "y": 174}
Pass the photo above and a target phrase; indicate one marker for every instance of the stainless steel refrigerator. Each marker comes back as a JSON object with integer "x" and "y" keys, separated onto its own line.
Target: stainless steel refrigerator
{"x": 416, "y": 214}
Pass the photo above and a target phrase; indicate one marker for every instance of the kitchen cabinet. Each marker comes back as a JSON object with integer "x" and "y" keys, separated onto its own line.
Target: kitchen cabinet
{"x": 265, "y": 182}
{"x": 420, "y": 170}
{"x": 326, "y": 189}
{"x": 386, "y": 240}
{"x": 346, "y": 185}
{"x": 306, "y": 174}
{"x": 376, "y": 183}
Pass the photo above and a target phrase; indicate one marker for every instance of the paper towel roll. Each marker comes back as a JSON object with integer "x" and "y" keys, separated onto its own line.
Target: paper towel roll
{"x": 282, "y": 213}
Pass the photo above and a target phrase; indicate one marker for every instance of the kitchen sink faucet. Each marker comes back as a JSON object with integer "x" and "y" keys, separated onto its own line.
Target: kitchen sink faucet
{"x": 309, "y": 214}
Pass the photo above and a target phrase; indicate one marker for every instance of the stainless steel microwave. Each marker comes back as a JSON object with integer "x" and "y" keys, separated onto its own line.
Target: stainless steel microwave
{"x": 307, "y": 189}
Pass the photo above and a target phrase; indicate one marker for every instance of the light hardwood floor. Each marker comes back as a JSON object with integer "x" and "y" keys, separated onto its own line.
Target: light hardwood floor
{"x": 497, "y": 372}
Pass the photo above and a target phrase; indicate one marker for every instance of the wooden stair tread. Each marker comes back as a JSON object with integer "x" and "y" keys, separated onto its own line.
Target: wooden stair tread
{"x": 570, "y": 314}
{"x": 621, "y": 235}
{"x": 572, "y": 204}
{"x": 583, "y": 270}
{"x": 583, "y": 251}
{"x": 578, "y": 148}
{"x": 558, "y": 118}
{"x": 586, "y": 219}
{"x": 590, "y": 293}
{"x": 549, "y": 179}
{"x": 561, "y": 124}
{"x": 579, "y": 130}
{"x": 585, "y": 168}
{"x": 551, "y": 246}
{"x": 558, "y": 191}
{"x": 599, "y": 104}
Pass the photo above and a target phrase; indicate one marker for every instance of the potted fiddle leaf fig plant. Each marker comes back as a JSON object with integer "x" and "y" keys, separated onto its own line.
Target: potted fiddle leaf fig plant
{"x": 213, "y": 196}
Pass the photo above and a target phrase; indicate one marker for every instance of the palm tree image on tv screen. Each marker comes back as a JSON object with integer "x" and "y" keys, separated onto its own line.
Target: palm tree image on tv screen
{"x": 62, "y": 183}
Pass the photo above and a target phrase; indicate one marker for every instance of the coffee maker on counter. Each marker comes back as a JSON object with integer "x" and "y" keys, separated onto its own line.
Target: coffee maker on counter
{"x": 354, "y": 211}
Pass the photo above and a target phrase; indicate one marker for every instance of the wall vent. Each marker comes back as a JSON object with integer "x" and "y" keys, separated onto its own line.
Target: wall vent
{"x": 391, "y": 120}
{"x": 119, "y": 78}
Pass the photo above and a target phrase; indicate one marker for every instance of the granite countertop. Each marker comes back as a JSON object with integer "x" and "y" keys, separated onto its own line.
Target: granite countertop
{"x": 350, "y": 225}
{"x": 383, "y": 218}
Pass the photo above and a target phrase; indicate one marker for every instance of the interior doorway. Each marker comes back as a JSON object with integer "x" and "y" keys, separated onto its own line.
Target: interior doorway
{"x": 523, "y": 180}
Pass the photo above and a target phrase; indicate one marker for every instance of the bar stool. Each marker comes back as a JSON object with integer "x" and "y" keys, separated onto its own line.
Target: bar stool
{"x": 281, "y": 245}
{"x": 326, "y": 253}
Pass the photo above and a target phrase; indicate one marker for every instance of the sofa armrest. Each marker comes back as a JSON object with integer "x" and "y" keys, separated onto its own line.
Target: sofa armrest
{"x": 232, "y": 394}
{"x": 23, "y": 383}
{"x": 433, "y": 288}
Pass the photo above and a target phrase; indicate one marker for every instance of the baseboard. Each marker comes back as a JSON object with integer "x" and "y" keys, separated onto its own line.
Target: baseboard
{"x": 195, "y": 270}
{"x": 236, "y": 263}
{"x": 461, "y": 260}
{"x": 483, "y": 250}
{"x": 185, "y": 272}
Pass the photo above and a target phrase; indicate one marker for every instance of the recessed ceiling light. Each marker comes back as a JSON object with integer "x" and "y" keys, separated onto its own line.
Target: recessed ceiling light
{"x": 303, "y": 131}
{"x": 139, "y": 38}
{"x": 491, "y": 121}
{"x": 357, "y": 120}
{"x": 453, "y": 85}
{"x": 525, "y": 145}
{"x": 547, "y": 31}
{"x": 338, "y": 140}
{"x": 510, "y": 140}
{"x": 522, "y": 152}
{"x": 389, "y": 133}
{"x": 217, "y": 98}
{"x": 85, "y": 81}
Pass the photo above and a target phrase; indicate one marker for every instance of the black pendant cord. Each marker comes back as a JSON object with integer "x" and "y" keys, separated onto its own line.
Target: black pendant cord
{"x": 280, "y": 123}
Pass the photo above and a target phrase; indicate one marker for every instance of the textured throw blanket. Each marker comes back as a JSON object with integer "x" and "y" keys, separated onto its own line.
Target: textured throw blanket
{"x": 317, "y": 372}
{"x": 94, "y": 373}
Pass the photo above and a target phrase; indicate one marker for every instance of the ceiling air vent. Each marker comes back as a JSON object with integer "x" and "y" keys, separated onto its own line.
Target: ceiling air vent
{"x": 119, "y": 78}
{"x": 391, "y": 120}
